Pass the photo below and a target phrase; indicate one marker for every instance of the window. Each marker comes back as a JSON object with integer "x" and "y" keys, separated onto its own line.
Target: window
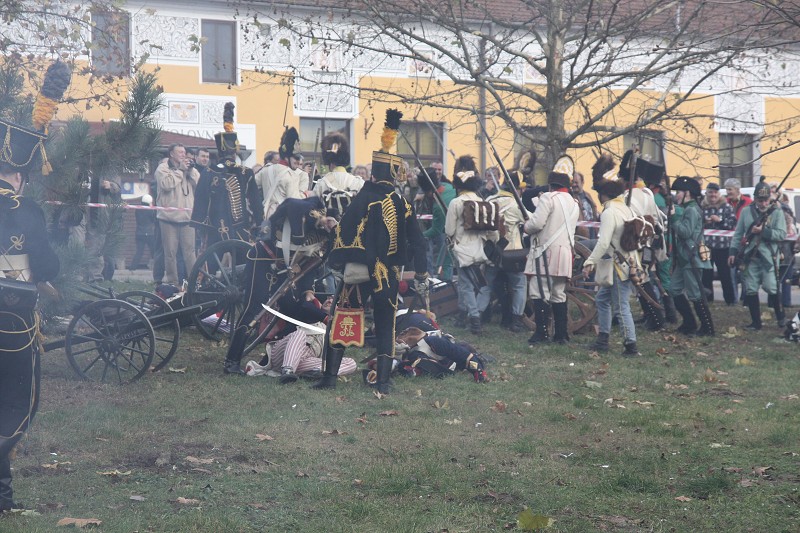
{"x": 544, "y": 162}
{"x": 111, "y": 53}
{"x": 312, "y": 130}
{"x": 650, "y": 143}
{"x": 736, "y": 153}
{"x": 218, "y": 51}
{"x": 427, "y": 138}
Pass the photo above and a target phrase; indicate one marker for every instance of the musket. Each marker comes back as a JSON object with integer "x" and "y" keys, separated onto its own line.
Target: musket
{"x": 632, "y": 175}
{"x": 743, "y": 255}
{"x": 314, "y": 166}
{"x": 477, "y": 280}
{"x": 636, "y": 280}
{"x": 500, "y": 164}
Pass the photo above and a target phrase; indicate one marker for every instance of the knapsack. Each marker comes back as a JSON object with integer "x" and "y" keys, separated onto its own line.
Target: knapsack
{"x": 481, "y": 216}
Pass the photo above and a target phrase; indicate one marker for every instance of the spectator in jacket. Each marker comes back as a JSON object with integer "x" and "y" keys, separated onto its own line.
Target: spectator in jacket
{"x": 718, "y": 215}
{"x": 145, "y": 232}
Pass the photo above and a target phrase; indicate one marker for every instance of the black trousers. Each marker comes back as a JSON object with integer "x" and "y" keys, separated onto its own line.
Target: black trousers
{"x": 143, "y": 241}
{"x": 20, "y": 375}
{"x": 719, "y": 258}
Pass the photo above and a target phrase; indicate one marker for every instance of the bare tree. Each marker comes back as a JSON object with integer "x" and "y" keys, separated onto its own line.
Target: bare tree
{"x": 585, "y": 72}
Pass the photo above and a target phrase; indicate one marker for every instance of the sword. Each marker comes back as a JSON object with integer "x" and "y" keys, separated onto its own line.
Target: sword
{"x": 309, "y": 327}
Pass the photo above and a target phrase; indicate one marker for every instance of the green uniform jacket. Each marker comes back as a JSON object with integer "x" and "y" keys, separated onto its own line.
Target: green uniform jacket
{"x": 687, "y": 230}
{"x": 771, "y": 237}
{"x": 437, "y": 224}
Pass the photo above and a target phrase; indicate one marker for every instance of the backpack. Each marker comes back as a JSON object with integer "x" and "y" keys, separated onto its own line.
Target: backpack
{"x": 339, "y": 199}
{"x": 637, "y": 233}
{"x": 481, "y": 216}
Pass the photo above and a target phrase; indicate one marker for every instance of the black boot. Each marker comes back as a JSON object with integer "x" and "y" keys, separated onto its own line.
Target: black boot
{"x": 384, "y": 383}
{"x": 287, "y": 375}
{"x": 235, "y": 350}
{"x": 774, "y": 302}
{"x": 630, "y": 349}
{"x": 560, "y": 323}
{"x": 600, "y": 344}
{"x": 706, "y": 323}
{"x": 333, "y": 360}
{"x": 669, "y": 309}
{"x": 541, "y": 315}
{"x": 689, "y": 325}
{"x": 6, "y": 492}
{"x": 753, "y": 305}
{"x": 475, "y": 325}
{"x": 655, "y": 316}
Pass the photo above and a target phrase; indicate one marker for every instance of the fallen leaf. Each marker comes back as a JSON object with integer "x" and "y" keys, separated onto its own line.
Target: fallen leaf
{"x": 115, "y": 473}
{"x": 644, "y": 404}
{"x": 341, "y": 399}
{"x": 261, "y": 437}
{"x": 718, "y": 445}
{"x": 790, "y": 397}
{"x": 390, "y": 413}
{"x": 30, "y": 512}
{"x": 198, "y": 461}
{"x": 761, "y": 470}
{"x": 527, "y": 521}
{"x": 702, "y": 354}
{"x": 746, "y": 483}
{"x": 101, "y": 439}
{"x": 177, "y": 370}
{"x": 438, "y": 405}
{"x": 743, "y": 361}
{"x": 378, "y": 394}
{"x": 300, "y": 474}
{"x": 683, "y": 499}
{"x": 728, "y": 411}
{"x": 358, "y": 482}
{"x": 259, "y": 506}
{"x": 54, "y": 465}
{"x": 570, "y": 416}
{"x": 709, "y": 376}
{"x": 662, "y": 351}
{"x": 187, "y": 501}
{"x": 499, "y": 406}
{"x": 680, "y": 386}
{"x": 453, "y": 422}
{"x": 334, "y": 432}
{"x": 593, "y": 384}
{"x": 137, "y": 498}
{"x": 79, "y": 522}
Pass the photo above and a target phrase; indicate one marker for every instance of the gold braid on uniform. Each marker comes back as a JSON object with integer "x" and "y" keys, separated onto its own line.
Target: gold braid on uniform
{"x": 234, "y": 197}
{"x": 31, "y": 331}
{"x": 390, "y": 220}
{"x": 381, "y": 273}
{"x": 11, "y": 195}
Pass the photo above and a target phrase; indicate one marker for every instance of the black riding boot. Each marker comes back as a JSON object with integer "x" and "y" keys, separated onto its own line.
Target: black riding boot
{"x": 560, "y": 323}
{"x": 235, "y": 350}
{"x": 333, "y": 360}
{"x": 753, "y": 305}
{"x": 775, "y": 303}
{"x": 655, "y": 316}
{"x": 6, "y": 493}
{"x": 706, "y": 323}
{"x": 541, "y": 315}
{"x": 669, "y": 309}
{"x": 689, "y": 325}
{"x": 384, "y": 383}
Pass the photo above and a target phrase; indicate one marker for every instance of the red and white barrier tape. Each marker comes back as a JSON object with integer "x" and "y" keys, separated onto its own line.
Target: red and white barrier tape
{"x": 126, "y": 206}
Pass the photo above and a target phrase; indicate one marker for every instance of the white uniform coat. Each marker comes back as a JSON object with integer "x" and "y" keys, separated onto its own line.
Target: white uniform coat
{"x": 555, "y": 211}
{"x": 338, "y": 180}
{"x": 467, "y": 245}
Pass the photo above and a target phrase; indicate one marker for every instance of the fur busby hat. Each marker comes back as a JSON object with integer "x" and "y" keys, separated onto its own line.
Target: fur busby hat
{"x": 227, "y": 141}
{"x": 561, "y": 175}
{"x": 335, "y": 150}
{"x": 465, "y": 174}
{"x": 650, "y": 173}
{"x": 684, "y": 183}
{"x": 762, "y": 189}
{"x": 604, "y": 179}
{"x": 526, "y": 164}
{"x": 424, "y": 182}
{"x": 289, "y": 141}
{"x": 387, "y": 166}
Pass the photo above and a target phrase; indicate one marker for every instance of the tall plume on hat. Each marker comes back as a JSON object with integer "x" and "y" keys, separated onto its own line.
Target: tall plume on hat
{"x": 387, "y": 166}
{"x": 604, "y": 180}
{"x": 227, "y": 140}
{"x": 56, "y": 81}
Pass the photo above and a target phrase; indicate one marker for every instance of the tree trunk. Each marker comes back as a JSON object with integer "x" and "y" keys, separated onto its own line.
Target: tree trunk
{"x": 555, "y": 111}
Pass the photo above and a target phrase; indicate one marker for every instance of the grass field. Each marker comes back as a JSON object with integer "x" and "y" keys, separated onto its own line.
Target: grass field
{"x": 695, "y": 435}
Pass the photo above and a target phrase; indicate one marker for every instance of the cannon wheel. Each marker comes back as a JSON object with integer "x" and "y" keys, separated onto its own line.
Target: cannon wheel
{"x": 218, "y": 275}
{"x": 168, "y": 332}
{"x": 580, "y": 297}
{"x": 110, "y": 341}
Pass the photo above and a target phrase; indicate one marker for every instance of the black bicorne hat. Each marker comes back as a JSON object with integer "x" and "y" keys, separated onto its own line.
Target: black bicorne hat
{"x": 650, "y": 173}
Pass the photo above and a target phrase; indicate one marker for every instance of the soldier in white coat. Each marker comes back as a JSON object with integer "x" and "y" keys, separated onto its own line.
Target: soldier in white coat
{"x": 552, "y": 229}
{"x": 337, "y": 188}
{"x": 285, "y": 179}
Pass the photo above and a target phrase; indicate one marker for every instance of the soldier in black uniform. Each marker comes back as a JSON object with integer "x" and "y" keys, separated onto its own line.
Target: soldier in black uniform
{"x": 25, "y": 259}
{"x": 227, "y": 203}
{"x": 379, "y": 230}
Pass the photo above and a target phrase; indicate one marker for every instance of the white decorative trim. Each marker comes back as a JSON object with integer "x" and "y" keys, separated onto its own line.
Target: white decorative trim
{"x": 325, "y": 94}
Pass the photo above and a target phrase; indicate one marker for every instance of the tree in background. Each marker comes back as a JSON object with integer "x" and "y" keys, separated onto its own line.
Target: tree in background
{"x": 563, "y": 74}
